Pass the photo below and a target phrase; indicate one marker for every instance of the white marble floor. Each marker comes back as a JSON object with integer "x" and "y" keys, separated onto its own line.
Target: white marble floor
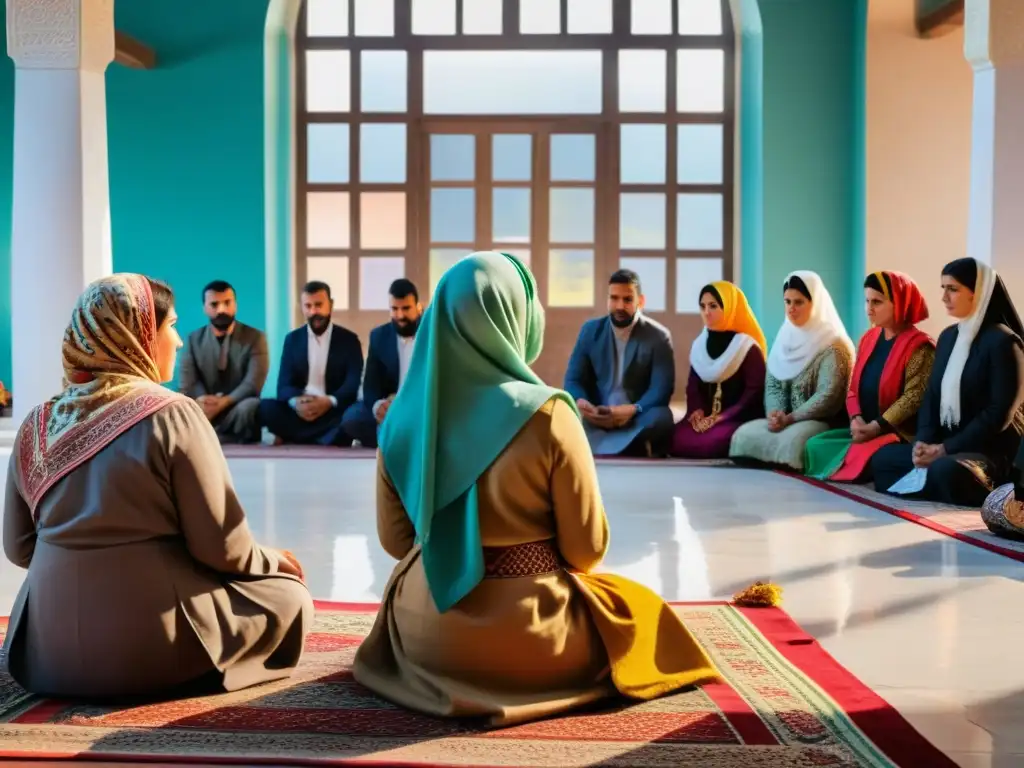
{"x": 931, "y": 624}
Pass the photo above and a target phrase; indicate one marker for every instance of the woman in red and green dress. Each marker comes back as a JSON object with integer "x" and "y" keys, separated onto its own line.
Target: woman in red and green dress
{"x": 894, "y": 361}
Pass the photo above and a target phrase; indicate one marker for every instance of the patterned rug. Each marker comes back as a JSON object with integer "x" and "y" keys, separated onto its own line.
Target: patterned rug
{"x": 961, "y": 523}
{"x": 784, "y": 703}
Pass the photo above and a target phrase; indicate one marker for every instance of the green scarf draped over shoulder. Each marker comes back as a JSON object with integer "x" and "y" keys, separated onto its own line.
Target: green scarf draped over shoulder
{"x": 468, "y": 391}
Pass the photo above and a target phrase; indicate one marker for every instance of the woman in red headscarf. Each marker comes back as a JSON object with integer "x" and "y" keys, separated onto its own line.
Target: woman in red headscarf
{"x": 894, "y": 361}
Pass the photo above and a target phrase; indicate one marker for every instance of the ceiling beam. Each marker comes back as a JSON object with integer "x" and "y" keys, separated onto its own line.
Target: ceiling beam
{"x": 129, "y": 52}
{"x": 942, "y": 20}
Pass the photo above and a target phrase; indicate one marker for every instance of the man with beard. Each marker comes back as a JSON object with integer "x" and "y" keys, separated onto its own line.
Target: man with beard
{"x": 321, "y": 366}
{"x": 622, "y": 374}
{"x": 224, "y": 367}
{"x": 387, "y": 361}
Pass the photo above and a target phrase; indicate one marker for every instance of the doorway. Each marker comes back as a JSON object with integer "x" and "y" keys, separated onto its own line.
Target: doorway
{"x": 531, "y": 190}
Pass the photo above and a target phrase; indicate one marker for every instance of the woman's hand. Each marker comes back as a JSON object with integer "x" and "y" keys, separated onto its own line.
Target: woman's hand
{"x": 705, "y": 424}
{"x": 862, "y": 432}
{"x": 778, "y": 421}
{"x": 925, "y": 455}
{"x": 288, "y": 563}
{"x": 695, "y": 418}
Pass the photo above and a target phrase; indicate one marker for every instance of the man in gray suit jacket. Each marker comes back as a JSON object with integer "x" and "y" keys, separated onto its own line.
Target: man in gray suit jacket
{"x": 224, "y": 366}
{"x": 622, "y": 374}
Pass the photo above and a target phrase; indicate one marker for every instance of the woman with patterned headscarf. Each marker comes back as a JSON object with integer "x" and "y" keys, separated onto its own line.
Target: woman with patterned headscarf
{"x": 970, "y": 423}
{"x": 487, "y": 494}
{"x": 894, "y": 361}
{"x": 143, "y": 578}
{"x": 726, "y": 384}
{"x": 808, "y": 375}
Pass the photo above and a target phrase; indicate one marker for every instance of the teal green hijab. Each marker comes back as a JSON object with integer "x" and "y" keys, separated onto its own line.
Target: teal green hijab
{"x": 468, "y": 392}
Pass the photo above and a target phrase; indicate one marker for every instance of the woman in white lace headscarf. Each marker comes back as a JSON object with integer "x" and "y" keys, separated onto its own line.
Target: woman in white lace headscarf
{"x": 808, "y": 374}
{"x": 971, "y": 421}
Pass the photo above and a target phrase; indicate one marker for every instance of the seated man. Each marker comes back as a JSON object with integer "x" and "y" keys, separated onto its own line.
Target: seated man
{"x": 224, "y": 367}
{"x": 319, "y": 376}
{"x": 622, "y": 374}
{"x": 387, "y": 361}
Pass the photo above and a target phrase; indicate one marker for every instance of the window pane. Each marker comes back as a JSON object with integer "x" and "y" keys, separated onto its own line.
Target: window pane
{"x": 440, "y": 260}
{"x": 327, "y": 220}
{"x": 332, "y": 270}
{"x": 376, "y": 273}
{"x": 700, "y": 80}
{"x": 512, "y": 157}
{"x": 481, "y": 17}
{"x": 433, "y": 17}
{"x": 327, "y": 18}
{"x": 327, "y": 148}
{"x": 512, "y": 82}
{"x": 384, "y": 79}
{"x": 699, "y": 222}
{"x": 452, "y": 216}
{"x": 590, "y": 17}
{"x": 653, "y": 276}
{"x": 571, "y": 279}
{"x": 382, "y": 220}
{"x": 643, "y": 154}
{"x": 700, "y": 17}
{"x": 452, "y": 157}
{"x": 652, "y": 17}
{"x": 642, "y": 221}
{"x": 511, "y": 215}
{"x": 572, "y": 216}
{"x": 691, "y": 276}
{"x": 382, "y": 153}
{"x": 573, "y": 156}
{"x": 700, "y": 154}
{"x": 540, "y": 17}
{"x": 520, "y": 253}
{"x": 328, "y": 83}
{"x": 643, "y": 81}
{"x": 375, "y": 18}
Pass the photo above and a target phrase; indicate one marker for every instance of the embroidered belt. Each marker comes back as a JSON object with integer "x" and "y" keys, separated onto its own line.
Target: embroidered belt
{"x": 532, "y": 559}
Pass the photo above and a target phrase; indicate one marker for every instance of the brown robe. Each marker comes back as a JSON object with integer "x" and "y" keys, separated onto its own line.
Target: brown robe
{"x": 143, "y": 575}
{"x": 514, "y": 649}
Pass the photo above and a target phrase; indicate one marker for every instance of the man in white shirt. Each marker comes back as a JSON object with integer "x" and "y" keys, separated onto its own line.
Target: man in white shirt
{"x": 321, "y": 366}
{"x": 387, "y": 362}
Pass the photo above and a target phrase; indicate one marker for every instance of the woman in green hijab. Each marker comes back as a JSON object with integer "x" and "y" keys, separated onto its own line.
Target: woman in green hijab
{"x": 487, "y": 494}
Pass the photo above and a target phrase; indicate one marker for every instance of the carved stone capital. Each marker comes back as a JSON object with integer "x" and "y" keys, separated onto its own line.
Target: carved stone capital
{"x": 61, "y": 34}
{"x": 994, "y": 33}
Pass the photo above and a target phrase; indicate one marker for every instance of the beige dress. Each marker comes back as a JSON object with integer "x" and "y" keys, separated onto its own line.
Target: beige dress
{"x": 816, "y": 399}
{"x": 514, "y": 648}
{"x": 143, "y": 575}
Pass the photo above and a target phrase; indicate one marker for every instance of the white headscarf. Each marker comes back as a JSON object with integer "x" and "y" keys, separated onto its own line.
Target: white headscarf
{"x": 968, "y": 328}
{"x": 794, "y": 347}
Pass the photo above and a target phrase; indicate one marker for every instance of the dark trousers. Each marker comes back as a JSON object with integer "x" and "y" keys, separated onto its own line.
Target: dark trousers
{"x": 359, "y": 424}
{"x": 963, "y": 479}
{"x": 282, "y": 420}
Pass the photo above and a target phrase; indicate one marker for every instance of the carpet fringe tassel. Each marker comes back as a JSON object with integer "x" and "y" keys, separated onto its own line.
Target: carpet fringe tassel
{"x": 760, "y": 594}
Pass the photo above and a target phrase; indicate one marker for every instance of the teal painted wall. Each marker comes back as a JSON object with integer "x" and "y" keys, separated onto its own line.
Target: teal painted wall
{"x": 813, "y": 145}
{"x": 186, "y": 155}
{"x": 6, "y": 169}
{"x": 186, "y": 151}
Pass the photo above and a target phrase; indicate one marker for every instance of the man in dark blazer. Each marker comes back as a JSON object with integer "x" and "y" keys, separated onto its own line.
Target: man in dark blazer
{"x": 224, "y": 367}
{"x": 622, "y": 374}
{"x": 387, "y": 361}
{"x": 318, "y": 378}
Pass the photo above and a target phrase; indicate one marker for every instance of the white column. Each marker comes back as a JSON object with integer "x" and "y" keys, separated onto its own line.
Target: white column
{"x": 60, "y": 238}
{"x": 994, "y": 45}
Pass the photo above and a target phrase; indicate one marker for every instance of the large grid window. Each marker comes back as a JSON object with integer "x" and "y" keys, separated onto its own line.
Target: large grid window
{"x": 581, "y": 135}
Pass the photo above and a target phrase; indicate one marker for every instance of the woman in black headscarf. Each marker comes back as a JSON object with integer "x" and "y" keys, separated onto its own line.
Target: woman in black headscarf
{"x": 972, "y": 418}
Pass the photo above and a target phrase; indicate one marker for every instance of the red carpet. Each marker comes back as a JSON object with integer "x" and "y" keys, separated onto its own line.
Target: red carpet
{"x": 784, "y": 703}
